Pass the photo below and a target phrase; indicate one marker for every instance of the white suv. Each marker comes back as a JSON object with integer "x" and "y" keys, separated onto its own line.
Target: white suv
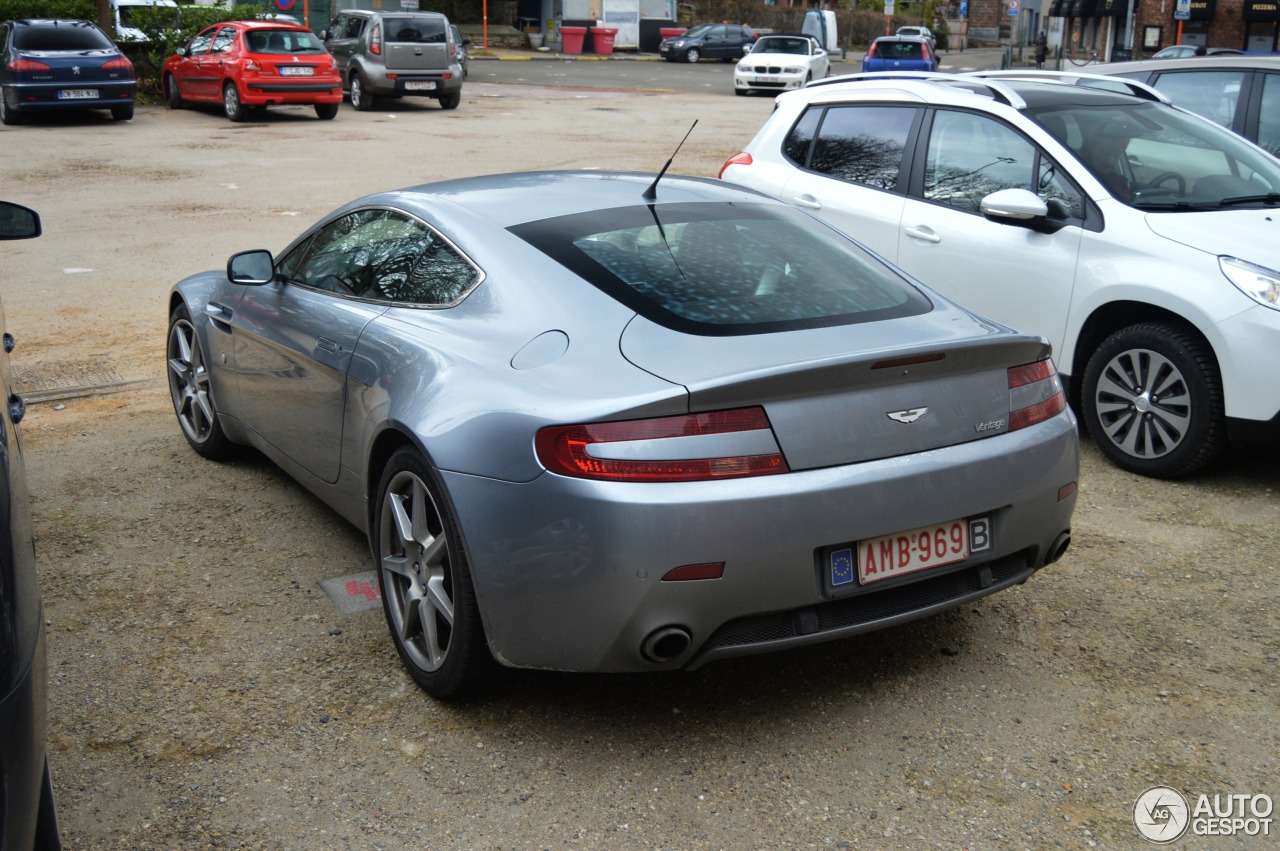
{"x": 1142, "y": 240}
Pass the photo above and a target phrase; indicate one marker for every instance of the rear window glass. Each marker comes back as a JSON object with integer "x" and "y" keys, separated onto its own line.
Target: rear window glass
{"x": 900, "y": 50}
{"x": 718, "y": 269}
{"x": 269, "y": 42}
{"x": 414, "y": 30}
{"x": 62, "y": 36}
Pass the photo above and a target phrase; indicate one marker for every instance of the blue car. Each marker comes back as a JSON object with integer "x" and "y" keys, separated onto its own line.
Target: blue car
{"x": 900, "y": 53}
{"x": 59, "y": 65}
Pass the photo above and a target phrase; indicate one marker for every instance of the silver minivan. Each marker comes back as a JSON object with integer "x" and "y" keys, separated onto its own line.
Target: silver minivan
{"x": 394, "y": 55}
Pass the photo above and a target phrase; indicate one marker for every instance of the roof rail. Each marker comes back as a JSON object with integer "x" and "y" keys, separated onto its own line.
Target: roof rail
{"x": 999, "y": 92}
{"x": 1078, "y": 78}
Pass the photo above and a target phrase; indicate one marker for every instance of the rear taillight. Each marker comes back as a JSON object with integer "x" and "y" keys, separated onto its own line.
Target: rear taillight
{"x": 27, "y": 65}
{"x": 119, "y": 63}
{"x": 1035, "y": 394}
{"x": 252, "y": 65}
{"x": 737, "y": 159}
{"x": 871, "y": 51}
{"x": 687, "y": 448}
{"x": 375, "y": 40}
{"x": 924, "y": 51}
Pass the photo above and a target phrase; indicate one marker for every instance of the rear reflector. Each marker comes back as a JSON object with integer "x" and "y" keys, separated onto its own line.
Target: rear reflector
{"x": 1035, "y": 394}
{"x": 711, "y": 570}
{"x": 737, "y": 159}
{"x": 686, "y": 448}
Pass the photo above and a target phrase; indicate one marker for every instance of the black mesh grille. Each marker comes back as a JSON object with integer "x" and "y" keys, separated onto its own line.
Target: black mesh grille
{"x": 868, "y": 608}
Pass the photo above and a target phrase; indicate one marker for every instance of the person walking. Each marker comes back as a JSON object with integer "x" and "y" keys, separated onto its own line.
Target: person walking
{"x": 1042, "y": 48}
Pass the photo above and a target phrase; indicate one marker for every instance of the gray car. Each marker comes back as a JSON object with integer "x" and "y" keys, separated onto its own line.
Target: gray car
{"x": 395, "y": 55}
{"x": 591, "y": 422}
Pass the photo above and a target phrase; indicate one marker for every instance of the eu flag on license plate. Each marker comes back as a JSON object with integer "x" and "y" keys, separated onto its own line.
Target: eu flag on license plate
{"x": 842, "y": 567}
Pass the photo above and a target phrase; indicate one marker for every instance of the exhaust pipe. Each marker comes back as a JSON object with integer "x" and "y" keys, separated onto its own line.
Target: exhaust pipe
{"x": 1058, "y": 547}
{"x": 665, "y": 644}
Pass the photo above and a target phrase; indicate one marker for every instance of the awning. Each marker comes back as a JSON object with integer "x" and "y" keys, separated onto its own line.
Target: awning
{"x": 1111, "y": 8}
{"x": 1079, "y": 8}
{"x": 1055, "y": 11}
{"x": 1261, "y": 10}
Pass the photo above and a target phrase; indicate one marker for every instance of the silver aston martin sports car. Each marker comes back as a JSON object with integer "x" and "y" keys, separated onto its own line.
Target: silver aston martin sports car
{"x": 596, "y": 422}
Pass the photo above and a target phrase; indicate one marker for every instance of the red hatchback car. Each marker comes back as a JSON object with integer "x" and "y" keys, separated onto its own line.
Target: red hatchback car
{"x": 252, "y": 64}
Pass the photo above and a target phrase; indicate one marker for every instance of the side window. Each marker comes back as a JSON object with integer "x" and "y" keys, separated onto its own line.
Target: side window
{"x": 970, "y": 156}
{"x": 339, "y": 28}
{"x": 1211, "y": 94}
{"x": 796, "y": 146}
{"x": 200, "y": 44}
{"x": 717, "y": 33}
{"x": 381, "y": 255}
{"x": 1269, "y": 114}
{"x": 225, "y": 38}
{"x": 863, "y": 144}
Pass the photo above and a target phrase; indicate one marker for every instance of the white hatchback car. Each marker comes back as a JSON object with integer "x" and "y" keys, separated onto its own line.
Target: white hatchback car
{"x": 777, "y": 63}
{"x": 1143, "y": 241}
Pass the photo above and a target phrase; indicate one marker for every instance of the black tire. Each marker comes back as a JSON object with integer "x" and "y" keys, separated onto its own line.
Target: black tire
{"x": 692, "y": 55}
{"x": 231, "y": 103}
{"x": 191, "y": 391}
{"x": 172, "y": 93}
{"x": 361, "y": 100}
{"x": 1152, "y": 399}
{"x": 740, "y": 92}
{"x": 122, "y": 113}
{"x": 423, "y": 571}
{"x": 327, "y": 111}
{"x": 451, "y": 100}
{"x": 8, "y": 116}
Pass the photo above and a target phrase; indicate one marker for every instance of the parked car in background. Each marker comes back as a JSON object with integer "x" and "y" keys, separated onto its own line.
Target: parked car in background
{"x": 900, "y": 53}
{"x": 246, "y": 65}
{"x": 124, "y": 14}
{"x": 595, "y": 421}
{"x": 776, "y": 63}
{"x": 920, "y": 32}
{"x": 395, "y": 55}
{"x": 460, "y": 45}
{"x": 28, "y": 816}
{"x": 50, "y": 64}
{"x": 1242, "y": 93}
{"x": 1182, "y": 51}
{"x": 708, "y": 41}
{"x": 1137, "y": 237}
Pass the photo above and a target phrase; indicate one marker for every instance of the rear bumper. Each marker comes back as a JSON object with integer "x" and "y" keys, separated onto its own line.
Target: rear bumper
{"x": 265, "y": 93}
{"x": 569, "y": 572}
{"x": 42, "y": 96}
{"x": 415, "y": 85}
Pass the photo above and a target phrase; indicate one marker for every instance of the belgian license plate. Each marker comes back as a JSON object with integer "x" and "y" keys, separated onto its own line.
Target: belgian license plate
{"x": 905, "y": 552}
{"x": 766, "y": 79}
{"x": 78, "y": 94}
{"x": 297, "y": 70}
{"x": 420, "y": 85}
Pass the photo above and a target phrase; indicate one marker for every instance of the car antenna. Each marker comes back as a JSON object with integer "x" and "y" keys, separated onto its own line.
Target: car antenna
{"x": 651, "y": 194}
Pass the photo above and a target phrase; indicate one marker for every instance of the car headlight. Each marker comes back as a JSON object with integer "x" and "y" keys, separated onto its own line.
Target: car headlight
{"x": 792, "y": 70}
{"x": 1257, "y": 282}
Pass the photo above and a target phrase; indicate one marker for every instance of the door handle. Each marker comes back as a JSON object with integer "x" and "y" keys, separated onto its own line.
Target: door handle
{"x": 924, "y": 233}
{"x": 326, "y": 345}
{"x": 807, "y": 202}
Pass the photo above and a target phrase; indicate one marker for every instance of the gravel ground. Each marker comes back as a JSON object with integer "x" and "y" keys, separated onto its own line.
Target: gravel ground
{"x": 206, "y": 693}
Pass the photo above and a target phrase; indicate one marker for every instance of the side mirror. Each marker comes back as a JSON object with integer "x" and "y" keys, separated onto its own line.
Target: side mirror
{"x": 325, "y": 35}
{"x": 180, "y": 51}
{"x": 1018, "y": 207}
{"x": 18, "y": 222}
{"x": 251, "y": 267}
